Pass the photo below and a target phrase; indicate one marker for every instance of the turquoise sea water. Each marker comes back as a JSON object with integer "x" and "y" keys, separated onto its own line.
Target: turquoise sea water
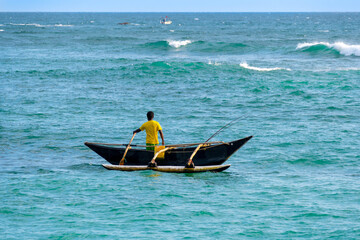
{"x": 67, "y": 78}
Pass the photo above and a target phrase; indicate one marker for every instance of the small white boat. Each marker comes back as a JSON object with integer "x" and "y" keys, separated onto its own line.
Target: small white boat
{"x": 165, "y": 20}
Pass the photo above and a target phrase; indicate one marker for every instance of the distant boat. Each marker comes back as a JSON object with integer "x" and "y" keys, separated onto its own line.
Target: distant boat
{"x": 124, "y": 23}
{"x": 165, "y": 20}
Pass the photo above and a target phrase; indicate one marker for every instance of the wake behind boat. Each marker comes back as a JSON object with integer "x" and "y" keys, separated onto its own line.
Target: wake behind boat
{"x": 202, "y": 154}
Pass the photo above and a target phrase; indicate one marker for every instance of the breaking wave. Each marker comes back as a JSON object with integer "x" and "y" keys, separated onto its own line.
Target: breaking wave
{"x": 40, "y": 25}
{"x": 63, "y": 25}
{"x": 245, "y": 65}
{"x": 168, "y": 44}
{"x": 179, "y": 43}
{"x": 339, "y": 47}
{"x": 198, "y": 46}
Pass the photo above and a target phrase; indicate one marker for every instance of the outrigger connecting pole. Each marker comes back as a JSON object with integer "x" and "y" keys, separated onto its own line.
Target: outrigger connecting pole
{"x": 152, "y": 163}
{"x": 190, "y": 163}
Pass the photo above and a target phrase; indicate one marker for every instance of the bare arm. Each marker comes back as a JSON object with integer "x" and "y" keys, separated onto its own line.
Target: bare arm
{"x": 162, "y": 137}
{"x": 137, "y": 130}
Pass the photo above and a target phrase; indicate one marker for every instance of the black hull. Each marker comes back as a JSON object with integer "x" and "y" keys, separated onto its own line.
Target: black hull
{"x": 206, "y": 156}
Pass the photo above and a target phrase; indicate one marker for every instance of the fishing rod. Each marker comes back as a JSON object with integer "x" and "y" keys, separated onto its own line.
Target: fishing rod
{"x": 226, "y": 126}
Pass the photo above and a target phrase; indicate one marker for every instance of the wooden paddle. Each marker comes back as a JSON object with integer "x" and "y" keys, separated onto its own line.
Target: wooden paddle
{"x": 122, "y": 161}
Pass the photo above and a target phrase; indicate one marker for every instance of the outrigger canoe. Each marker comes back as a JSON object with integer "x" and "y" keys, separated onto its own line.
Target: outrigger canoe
{"x": 202, "y": 154}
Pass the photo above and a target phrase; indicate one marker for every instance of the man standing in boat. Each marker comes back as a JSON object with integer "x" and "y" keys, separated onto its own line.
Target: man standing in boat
{"x": 152, "y": 128}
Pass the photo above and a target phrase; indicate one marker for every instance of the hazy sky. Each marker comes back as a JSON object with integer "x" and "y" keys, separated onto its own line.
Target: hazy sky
{"x": 180, "y": 6}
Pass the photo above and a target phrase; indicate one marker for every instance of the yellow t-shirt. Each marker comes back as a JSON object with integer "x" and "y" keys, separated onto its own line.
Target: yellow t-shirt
{"x": 151, "y": 127}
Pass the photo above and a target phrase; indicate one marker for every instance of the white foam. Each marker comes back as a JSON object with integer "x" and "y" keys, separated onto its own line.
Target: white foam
{"x": 349, "y": 69}
{"x": 28, "y": 24}
{"x": 63, "y": 25}
{"x": 39, "y": 25}
{"x": 345, "y": 69}
{"x": 172, "y": 30}
{"x": 214, "y": 63}
{"x": 1, "y": 30}
{"x": 196, "y": 19}
{"x": 245, "y": 65}
{"x": 177, "y": 44}
{"x": 343, "y": 48}
{"x": 324, "y": 31}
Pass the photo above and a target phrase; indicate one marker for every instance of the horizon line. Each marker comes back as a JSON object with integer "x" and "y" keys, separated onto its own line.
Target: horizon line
{"x": 179, "y": 12}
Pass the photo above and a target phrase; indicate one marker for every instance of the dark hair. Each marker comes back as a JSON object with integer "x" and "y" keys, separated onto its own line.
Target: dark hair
{"x": 150, "y": 115}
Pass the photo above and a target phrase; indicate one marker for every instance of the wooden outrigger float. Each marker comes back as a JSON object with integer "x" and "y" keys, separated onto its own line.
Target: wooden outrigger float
{"x": 174, "y": 169}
